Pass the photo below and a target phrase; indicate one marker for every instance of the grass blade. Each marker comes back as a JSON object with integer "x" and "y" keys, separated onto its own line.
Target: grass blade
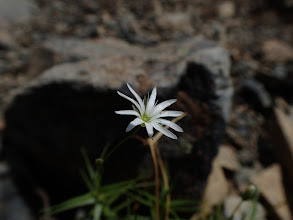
{"x": 79, "y": 201}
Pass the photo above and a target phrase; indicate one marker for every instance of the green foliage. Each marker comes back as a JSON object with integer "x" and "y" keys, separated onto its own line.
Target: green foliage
{"x": 117, "y": 200}
{"x": 109, "y": 201}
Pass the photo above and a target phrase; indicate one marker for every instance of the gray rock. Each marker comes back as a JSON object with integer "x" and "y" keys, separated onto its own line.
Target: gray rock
{"x": 14, "y": 11}
{"x": 226, "y": 9}
{"x": 244, "y": 211}
{"x": 72, "y": 105}
{"x": 6, "y": 39}
{"x": 161, "y": 66}
{"x": 129, "y": 29}
{"x": 245, "y": 175}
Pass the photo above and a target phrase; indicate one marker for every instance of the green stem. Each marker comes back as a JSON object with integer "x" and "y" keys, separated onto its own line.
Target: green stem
{"x": 157, "y": 181}
{"x": 121, "y": 142}
{"x": 235, "y": 209}
{"x": 255, "y": 201}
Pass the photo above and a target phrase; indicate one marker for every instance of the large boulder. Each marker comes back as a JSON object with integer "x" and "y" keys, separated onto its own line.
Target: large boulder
{"x": 72, "y": 104}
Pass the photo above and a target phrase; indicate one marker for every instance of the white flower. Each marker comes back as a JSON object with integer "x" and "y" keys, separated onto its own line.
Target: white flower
{"x": 149, "y": 114}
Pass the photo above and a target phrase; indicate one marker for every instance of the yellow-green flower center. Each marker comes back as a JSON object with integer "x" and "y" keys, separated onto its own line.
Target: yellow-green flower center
{"x": 145, "y": 118}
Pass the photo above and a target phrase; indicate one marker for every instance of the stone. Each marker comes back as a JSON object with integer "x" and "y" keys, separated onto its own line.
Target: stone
{"x": 72, "y": 104}
{"x": 256, "y": 94}
{"x": 128, "y": 28}
{"x": 244, "y": 211}
{"x": 277, "y": 51}
{"x": 269, "y": 182}
{"x": 15, "y": 11}
{"x": 175, "y": 25}
{"x": 226, "y": 9}
{"x": 228, "y": 158}
{"x": 244, "y": 127}
{"x": 41, "y": 59}
{"x": 6, "y": 39}
{"x": 217, "y": 187}
{"x": 136, "y": 63}
{"x": 243, "y": 177}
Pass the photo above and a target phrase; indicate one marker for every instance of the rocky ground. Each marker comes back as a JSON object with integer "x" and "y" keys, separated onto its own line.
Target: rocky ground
{"x": 241, "y": 50}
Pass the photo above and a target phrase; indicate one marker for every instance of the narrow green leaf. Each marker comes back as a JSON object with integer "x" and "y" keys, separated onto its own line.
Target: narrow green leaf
{"x": 123, "y": 205}
{"x": 254, "y": 206}
{"x": 174, "y": 214}
{"x": 137, "y": 217}
{"x": 218, "y": 211}
{"x": 89, "y": 167}
{"x": 87, "y": 181}
{"x": 146, "y": 194}
{"x": 141, "y": 200}
{"x": 113, "y": 197}
{"x": 97, "y": 212}
{"x": 114, "y": 186}
{"x": 79, "y": 201}
{"x": 109, "y": 213}
{"x": 105, "y": 150}
{"x": 182, "y": 202}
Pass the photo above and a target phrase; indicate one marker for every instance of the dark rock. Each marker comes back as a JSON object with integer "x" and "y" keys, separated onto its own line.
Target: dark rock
{"x": 247, "y": 157}
{"x": 244, "y": 127}
{"x": 3, "y": 67}
{"x": 10, "y": 199}
{"x": 278, "y": 129}
{"x": 72, "y": 105}
{"x": 279, "y": 80}
{"x": 255, "y": 94}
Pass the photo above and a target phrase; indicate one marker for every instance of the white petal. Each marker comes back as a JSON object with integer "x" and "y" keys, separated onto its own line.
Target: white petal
{"x": 151, "y": 102}
{"x": 142, "y": 107}
{"x": 171, "y": 124}
{"x": 127, "y": 112}
{"x": 169, "y": 114}
{"x": 133, "y": 123}
{"x": 132, "y": 100}
{"x": 149, "y": 129}
{"x": 163, "y": 130}
{"x": 162, "y": 106}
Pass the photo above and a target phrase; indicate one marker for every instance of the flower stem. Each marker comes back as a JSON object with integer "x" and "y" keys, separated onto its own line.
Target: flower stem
{"x": 157, "y": 181}
{"x": 121, "y": 142}
{"x": 166, "y": 183}
{"x": 235, "y": 210}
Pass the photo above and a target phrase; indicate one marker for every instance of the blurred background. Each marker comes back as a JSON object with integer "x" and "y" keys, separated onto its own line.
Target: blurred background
{"x": 229, "y": 63}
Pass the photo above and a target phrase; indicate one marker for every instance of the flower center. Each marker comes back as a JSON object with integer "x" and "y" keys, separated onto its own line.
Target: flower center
{"x": 145, "y": 118}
